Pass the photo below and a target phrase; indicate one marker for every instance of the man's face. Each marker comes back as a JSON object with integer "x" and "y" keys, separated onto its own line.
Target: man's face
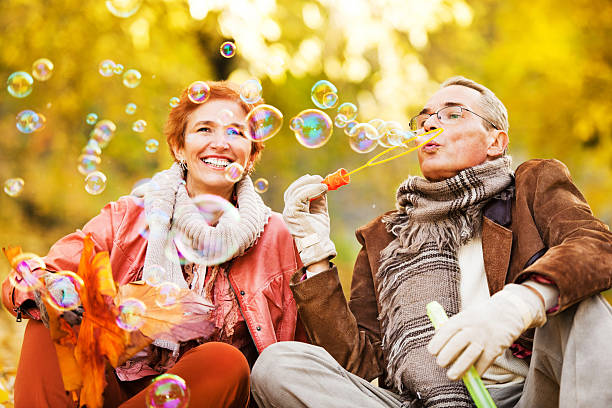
{"x": 466, "y": 143}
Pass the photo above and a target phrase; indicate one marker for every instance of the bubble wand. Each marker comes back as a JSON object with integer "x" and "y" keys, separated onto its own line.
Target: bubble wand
{"x": 471, "y": 379}
{"x": 342, "y": 177}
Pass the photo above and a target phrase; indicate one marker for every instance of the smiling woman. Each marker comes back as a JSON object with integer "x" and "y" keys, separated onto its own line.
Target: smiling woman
{"x": 237, "y": 257}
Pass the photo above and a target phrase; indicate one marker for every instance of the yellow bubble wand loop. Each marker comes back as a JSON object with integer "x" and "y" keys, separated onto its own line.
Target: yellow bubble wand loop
{"x": 341, "y": 177}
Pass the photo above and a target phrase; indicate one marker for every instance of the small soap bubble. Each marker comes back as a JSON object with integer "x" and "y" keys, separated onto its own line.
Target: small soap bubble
{"x": 106, "y": 68}
{"x": 91, "y": 118}
{"x": 28, "y": 121}
{"x": 250, "y": 91}
{"x": 228, "y": 49}
{"x": 103, "y": 132}
{"x": 378, "y": 125}
{"x": 95, "y": 182}
{"x": 233, "y": 172}
{"x": 350, "y": 126}
{"x": 88, "y": 163}
{"x": 198, "y": 92}
{"x": 14, "y": 186}
{"x": 261, "y": 185}
{"x": 92, "y": 147}
{"x": 151, "y": 145}
{"x": 296, "y": 123}
{"x": 131, "y": 314}
{"x": 123, "y": 8}
{"x": 167, "y": 294}
{"x": 324, "y": 94}
{"x": 361, "y": 140}
{"x": 316, "y": 128}
{"x": 226, "y": 117}
{"x": 130, "y": 108}
{"x": 154, "y": 275}
{"x": 139, "y": 126}
{"x": 168, "y": 391}
{"x": 19, "y": 84}
{"x": 118, "y": 70}
{"x": 42, "y": 121}
{"x": 211, "y": 251}
{"x": 27, "y": 270}
{"x": 174, "y": 102}
{"x": 349, "y": 110}
{"x": 62, "y": 290}
{"x": 131, "y": 78}
{"x": 263, "y": 122}
{"x": 340, "y": 121}
{"x": 42, "y": 69}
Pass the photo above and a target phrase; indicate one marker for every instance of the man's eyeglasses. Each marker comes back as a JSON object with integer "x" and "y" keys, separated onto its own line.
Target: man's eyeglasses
{"x": 447, "y": 116}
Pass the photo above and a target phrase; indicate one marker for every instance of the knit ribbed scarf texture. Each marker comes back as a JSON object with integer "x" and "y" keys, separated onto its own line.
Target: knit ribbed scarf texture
{"x": 433, "y": 219}
{"x": 170, "y": 211}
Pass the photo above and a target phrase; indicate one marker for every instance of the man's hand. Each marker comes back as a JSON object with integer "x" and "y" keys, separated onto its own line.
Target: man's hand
{"x": 479, "y": 334}
{"x": 307, "y": 219}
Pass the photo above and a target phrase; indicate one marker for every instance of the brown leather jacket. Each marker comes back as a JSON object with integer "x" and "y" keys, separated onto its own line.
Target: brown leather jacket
{"x": 552, "y": 232}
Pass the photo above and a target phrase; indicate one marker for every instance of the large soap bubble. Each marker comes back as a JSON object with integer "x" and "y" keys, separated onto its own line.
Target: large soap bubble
{"x": 313, "y": 128}
{"x": 263, "y": 122}
{"x": 168, "y": 391}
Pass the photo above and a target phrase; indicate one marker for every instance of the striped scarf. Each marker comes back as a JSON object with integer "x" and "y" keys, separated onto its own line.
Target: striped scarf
{"x": 433, "y": 219}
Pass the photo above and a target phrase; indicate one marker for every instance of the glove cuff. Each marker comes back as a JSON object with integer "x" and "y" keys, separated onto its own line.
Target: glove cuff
{"x": 313, "y": 250}
{"x": 527, "y": 304}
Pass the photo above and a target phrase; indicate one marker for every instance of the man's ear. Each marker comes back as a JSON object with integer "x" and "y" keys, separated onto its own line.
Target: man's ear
{"x": 498, "y": 143}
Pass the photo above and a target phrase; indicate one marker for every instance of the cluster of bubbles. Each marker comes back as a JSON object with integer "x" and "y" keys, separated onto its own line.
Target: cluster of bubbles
{"x": 14, "y": 186}
{"x": 90, "y": 158}
{"x": 168, "y": 391}
{"x": 228, "y": 49}
{"x": 131, "y": 77}
{"x": 123, "y": 8}
{"x": 28, "y": 121}
{"x": 20, "y": 83}
{"x": 213, "y": 250}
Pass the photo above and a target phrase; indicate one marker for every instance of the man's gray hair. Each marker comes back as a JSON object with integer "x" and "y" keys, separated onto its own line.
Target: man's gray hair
{"x": 492, "y": 108}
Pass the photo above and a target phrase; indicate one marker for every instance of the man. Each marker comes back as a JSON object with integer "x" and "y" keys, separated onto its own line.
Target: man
{"x": 503, "y": 252}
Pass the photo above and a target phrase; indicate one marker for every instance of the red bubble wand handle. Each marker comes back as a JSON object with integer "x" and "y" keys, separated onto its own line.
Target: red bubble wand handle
{"x": 342, "y": 177}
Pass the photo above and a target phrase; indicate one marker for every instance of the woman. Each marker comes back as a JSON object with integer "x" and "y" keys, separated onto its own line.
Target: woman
{"x": 253, "y": 303}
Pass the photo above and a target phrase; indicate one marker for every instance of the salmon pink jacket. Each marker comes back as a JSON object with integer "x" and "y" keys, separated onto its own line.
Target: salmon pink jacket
{"x": 259, "y": 278}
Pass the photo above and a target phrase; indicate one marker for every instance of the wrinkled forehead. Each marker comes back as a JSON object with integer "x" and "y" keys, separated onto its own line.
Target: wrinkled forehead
{"x": 453, "y": 95}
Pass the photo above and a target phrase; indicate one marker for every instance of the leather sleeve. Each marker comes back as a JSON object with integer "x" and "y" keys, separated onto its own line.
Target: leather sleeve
{"x": 579, "y": 255}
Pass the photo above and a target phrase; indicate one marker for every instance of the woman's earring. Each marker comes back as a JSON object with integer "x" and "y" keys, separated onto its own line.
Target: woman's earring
{"x": 183, "y": 165}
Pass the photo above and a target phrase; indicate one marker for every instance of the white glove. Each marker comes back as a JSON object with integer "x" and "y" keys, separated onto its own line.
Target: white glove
{"x": 308, "y": 221}
{"x": 480, "y": 333}
{"x": 62, "y": 291}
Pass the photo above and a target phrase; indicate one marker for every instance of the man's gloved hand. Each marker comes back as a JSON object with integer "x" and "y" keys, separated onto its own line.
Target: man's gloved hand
{"x": 63, "y": 292}
{"x": 308, "y": 221}
{"x": 480, "y": 333}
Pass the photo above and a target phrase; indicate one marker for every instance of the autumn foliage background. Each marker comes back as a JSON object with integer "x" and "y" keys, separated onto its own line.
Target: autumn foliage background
{"x": 549, "y": 61}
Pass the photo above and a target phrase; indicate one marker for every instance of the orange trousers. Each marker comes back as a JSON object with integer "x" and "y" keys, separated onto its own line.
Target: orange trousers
{"x": 217, "y": 375}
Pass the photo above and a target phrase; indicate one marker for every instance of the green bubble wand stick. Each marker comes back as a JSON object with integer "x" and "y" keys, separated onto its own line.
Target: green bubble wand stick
{"x": 471, "y": 379}
{"x": 342, "y": 177}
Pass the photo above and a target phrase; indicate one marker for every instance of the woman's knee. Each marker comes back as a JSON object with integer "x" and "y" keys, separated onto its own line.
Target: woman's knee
{"x": 217, "y": 354}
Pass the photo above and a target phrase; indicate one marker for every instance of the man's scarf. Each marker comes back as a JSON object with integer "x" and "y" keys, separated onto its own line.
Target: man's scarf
{"x": 433, "y": 219}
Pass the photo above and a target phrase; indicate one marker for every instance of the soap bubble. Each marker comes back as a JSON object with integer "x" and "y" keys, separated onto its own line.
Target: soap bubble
{"x": 130, "y": 108}
{"x": 390, "y": 134}
{"x": 42, "y": 121}
{"x": 95, "y": 182}
{"x": 91, "y": 118}
{"x": 13, "y": 186}
{"x": 378, "y": 125}
{"x": 131, "y": 78}
{"x": 168, "y": 391}
{"x": 350, "y": 126}
{"x": 92, "y": 147}
{"x": 324, "y": 94}
{"x": 263, "y": 122}
{"x": 198, "y": 92}
{"x": 151, "y": 145}
{"x": 233, "y": 172}
{"x": 296, "y": 123}
{"x": 316, "y": 128}
{"x": 123, "y": 8}
{"x": 106, "y": 68}
{"x": 228, "y": 49}
{"x": 42, "y": 69}
{"x": 88, "y": 163}
{"x": 139, "y": 126}
{"x": 118, "y": 70}
{"x": 226, "y": 117}
{"x": 28, "y": 121}
{"x": 103, "y": 132}
{"x": 361, "y": 140}
{"x": 174, "y": 102}
{"x": 250, "y": 91}
{"x": 27, "y": 270}
{"x": 131, "y": 314}
{"x": 214, "y": 250}
{"x": 167, "y": 294}
{"x": 155, "y": 274}
{"x": 62, "y": 290}
{"x": 340, "y": 121}
{"x": 349, "y": 110}
{"x": 261, "y": 185}
{"x": 19, "y": 84}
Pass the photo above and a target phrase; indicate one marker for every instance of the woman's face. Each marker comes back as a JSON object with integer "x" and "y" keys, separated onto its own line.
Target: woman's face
{"x": 214, "y": 139}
